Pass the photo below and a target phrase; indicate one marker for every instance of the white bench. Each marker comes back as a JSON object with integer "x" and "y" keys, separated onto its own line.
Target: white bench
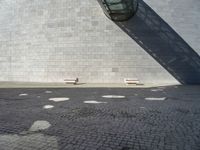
{"x": 131, "y": 81}
{"x": 71, "y": 80}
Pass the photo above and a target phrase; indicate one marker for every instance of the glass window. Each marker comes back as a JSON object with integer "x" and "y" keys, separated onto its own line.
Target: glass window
{"x": 115, "y": 4}
{"x": 119, "y": 9}
{"x": 113, "y": 1}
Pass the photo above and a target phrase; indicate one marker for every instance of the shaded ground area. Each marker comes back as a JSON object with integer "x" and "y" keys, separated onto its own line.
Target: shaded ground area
{"x": 162, "y": 118}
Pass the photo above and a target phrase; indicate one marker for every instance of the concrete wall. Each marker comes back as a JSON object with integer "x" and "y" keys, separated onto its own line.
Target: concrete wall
{"x": 50, "y": 40}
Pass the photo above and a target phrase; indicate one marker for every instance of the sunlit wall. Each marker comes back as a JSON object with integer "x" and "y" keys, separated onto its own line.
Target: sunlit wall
{"x": 51, "y": 40}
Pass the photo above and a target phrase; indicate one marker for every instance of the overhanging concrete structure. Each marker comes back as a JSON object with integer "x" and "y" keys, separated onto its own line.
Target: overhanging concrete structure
{"x": 48, "y": 41}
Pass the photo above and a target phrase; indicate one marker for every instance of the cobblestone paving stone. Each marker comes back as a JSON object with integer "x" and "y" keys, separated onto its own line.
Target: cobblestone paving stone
{"x": 130, "y": 123}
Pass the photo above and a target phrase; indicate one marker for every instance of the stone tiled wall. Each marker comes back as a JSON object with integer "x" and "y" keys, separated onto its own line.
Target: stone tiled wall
{"x": 50, "y": 40}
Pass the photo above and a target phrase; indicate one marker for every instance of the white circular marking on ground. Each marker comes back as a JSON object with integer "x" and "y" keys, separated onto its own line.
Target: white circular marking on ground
{"x": 156, "y": 90}
{"x": 23, "y": 94}
{"x": 48, "y": 106}
{"x": 155, "y": 98}
{"x": 48, "y": 92}
{"x": 59, "y": 99}
{"x": 113, "y": 96}
{"x": 38, "y": 96}
{"x": 94, "y": 102}
{"x": 40, "y": 125}
{"x": 142, "y": 107}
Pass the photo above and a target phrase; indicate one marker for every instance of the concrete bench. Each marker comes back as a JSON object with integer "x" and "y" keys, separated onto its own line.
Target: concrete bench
{"x": 71, "y": 80}
{"x": 131, "y": 81}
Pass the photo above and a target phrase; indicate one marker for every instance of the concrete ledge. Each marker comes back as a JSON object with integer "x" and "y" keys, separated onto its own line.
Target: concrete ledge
{"x": 79, "y": 85}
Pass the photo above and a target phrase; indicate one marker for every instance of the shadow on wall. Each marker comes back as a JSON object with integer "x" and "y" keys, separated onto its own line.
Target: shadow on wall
{"x": 157, "y": 38}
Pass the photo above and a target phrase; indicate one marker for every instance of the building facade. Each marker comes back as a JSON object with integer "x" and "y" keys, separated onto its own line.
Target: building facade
{"x": 50, "y": 40}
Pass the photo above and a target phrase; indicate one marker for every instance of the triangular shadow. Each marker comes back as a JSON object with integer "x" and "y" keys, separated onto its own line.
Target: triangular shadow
{"x": 159, "y": 40}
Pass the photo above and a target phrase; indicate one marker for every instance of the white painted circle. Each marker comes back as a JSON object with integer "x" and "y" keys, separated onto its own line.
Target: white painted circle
{"x": 94, "y": 102}
{"x": 59, "y": 99}
{"x": 23, "y": 94}
{"x": 155, "y": 98}
{"x": 48, "y": 92}
{"x": 48, "y": 106}
{"x": 156, "y": 90}
{"x": 113, "y": 96}
{"x": 142, "y": 107}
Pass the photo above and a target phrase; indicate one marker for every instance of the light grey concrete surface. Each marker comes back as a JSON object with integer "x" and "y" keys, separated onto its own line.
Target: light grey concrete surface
{"x": 33, "y": 141}
{"x": 48, "y": 41}
{"x": 80, "y": 85}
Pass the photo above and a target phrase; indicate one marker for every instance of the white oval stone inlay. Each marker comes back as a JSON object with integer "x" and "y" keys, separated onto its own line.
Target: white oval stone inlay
{"x": 156, "y": 90}
{"x": 40, "y": 125}
{"x": 94, "y": 102}
{"x": 48, "y": 106}
{"x": 142, "y": 107}
{"x": 113, "y": 96}
{"x": 155, "y": 98}
{"x": 59, "y": 99}
{"x": 23, "y": 94}
{"x": 48, "y": 92}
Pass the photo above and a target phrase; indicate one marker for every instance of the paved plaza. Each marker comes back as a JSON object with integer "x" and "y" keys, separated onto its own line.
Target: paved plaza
{"x": 160, "y": 118}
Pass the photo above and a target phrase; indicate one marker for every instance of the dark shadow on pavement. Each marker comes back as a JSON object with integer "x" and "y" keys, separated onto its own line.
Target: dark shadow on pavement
{"x": 159, "y": 40}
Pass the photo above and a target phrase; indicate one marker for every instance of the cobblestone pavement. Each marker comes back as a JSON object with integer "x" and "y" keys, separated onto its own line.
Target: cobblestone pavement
{"x": 162, "y": 118}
